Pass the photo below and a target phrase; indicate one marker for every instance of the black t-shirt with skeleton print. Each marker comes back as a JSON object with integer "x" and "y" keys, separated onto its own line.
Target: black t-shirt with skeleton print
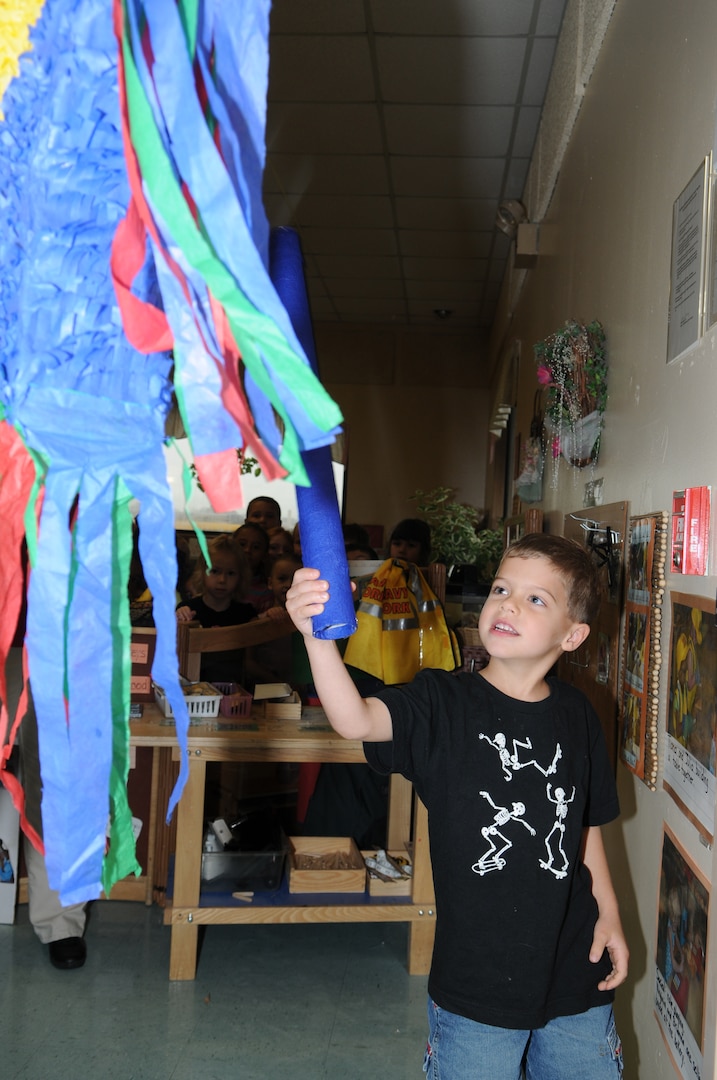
{"x": 509, "y": 786}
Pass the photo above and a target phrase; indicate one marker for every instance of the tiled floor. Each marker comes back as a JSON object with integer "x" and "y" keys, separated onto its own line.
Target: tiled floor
{"x": 269, "y": 1002}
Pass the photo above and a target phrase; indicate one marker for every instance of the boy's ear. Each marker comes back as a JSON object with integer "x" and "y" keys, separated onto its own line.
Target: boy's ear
{"x": 576, "y": 637}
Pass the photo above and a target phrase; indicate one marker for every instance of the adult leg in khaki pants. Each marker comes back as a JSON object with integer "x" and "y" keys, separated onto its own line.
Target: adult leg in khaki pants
{"x": 61, "y": 928}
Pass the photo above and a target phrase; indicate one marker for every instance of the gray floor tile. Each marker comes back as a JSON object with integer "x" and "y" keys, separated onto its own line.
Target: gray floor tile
{"x": 269, "y": 1002}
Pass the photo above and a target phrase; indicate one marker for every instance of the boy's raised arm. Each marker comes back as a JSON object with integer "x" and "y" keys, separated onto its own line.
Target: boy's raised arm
{"x": 351, "y": 715}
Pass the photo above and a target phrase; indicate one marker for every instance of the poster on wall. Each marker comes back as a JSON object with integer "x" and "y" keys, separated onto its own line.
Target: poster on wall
{"x": 680, "y": 958}
{"x": 641, "y": 652}
{"x": 691, "y": 738}
{"x": 688, "y": 265}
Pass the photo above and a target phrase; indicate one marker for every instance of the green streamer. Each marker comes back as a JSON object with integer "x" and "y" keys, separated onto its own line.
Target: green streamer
{"x": 248, "y": 324}
{"x": 120, "y": 859}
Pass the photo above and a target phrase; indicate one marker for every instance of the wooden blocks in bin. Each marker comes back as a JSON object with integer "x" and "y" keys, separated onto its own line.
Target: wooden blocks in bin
{"x": 399, "y": 886}
{"x": 325, "y": 864}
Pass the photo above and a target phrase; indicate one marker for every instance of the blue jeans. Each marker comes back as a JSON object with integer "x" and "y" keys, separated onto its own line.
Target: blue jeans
{"x": 581, "y": 1047}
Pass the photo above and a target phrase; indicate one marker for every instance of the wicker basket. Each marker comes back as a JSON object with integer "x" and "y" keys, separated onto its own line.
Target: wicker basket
{"x": 469, "y": 635}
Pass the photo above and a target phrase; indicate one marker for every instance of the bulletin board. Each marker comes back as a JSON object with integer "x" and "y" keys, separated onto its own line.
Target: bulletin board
{"x": 593, "y": 668}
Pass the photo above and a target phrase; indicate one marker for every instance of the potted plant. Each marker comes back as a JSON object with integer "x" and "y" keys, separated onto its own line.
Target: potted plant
{"x": 456, "y": 537}
{"x": 572, "y": 365}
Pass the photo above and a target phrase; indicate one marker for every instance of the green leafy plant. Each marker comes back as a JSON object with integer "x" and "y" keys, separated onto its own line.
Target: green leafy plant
{"x": 247, "y": 464}
{"x": 456, "y": 536}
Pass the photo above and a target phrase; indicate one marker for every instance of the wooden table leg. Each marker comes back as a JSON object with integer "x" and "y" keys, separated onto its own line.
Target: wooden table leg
{"x": 152, "y": 829}
{"x": 400, "y": 803}
{"x": 187, "y": 871}
{"x": 421, "y": 932}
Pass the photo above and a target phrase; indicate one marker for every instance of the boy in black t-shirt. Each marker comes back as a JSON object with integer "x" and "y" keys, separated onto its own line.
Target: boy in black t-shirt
{"x": 515, "y": 774}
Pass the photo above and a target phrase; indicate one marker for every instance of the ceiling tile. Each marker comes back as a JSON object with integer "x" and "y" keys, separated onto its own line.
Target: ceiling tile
{"x": 550, "y": 17}
{"x": 343, "y": 211}
{"x": 539, "y": 67}
{"x": 318, "y": 128}
{"x": 457, "y": 17}
{"x": 376, "y": 307}
{"x": 358, "y": 266}
{"x": 515, "y": 177}
{"x": 468, "y": 214}
{"x": 442, "y": 293}
{"x": 349, "y": 241}
{"x": 317, "y": 16}
{"x": 445, "y": 269}
{"x": 454, "y": 130}
{"x": 365, "y": 286}
{"x": 326, "y": 68}
{"x": 327, "y": 174}
{"x": 450, "y": 70}
{"x": 462, "y": 176}
{"x": 394, "y": 129}
{"x": 280, "y": 209}
{"x": 525, "y": 132}
{"x": 440, "y": 242}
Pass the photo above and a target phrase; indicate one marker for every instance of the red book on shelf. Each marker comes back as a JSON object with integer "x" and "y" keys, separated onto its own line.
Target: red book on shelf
{"x": 678, "y": 532}
{"x": 697, "y": 530}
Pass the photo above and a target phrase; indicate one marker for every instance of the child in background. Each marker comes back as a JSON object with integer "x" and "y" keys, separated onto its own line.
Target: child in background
{"x": 280, "y": 577}
{"x": 264, "y": 511}
{"x": 254, "y": 542}
{"x": 274, "y": 661}
{"x": 281, "y": 542}
{"x": 411, "y": 540}
{"x": 217, "y": 589}
{"x": 515, "y": 774}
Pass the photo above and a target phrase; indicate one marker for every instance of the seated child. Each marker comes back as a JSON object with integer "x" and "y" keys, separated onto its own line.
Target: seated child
{"x": 254, "y": 541}
{"x": 275, "y": 661}
{"x": 216, "y": 602}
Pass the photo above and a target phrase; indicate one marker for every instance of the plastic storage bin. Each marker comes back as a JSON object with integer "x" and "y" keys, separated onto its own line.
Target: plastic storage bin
{"x": 257, "y": 861}
{"x": 236, "y": 701}
{"x": 203, "y": 701}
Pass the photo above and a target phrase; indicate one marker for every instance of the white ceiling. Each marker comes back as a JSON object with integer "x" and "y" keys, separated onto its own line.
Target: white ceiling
{"x": 394, "y": 130}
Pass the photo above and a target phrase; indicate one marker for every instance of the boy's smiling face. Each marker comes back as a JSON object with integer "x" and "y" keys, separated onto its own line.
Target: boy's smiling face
{"x": 525, "y": 616}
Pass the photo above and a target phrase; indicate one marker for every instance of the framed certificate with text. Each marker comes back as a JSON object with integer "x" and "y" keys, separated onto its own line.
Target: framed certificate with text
{"x": 688, "y": 269}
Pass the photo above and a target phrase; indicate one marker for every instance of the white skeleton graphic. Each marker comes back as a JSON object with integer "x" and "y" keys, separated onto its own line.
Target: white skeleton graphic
{"x": 510, "y": 762}
{"x": 558, "y": 829}
{"x": 493, "y": 859}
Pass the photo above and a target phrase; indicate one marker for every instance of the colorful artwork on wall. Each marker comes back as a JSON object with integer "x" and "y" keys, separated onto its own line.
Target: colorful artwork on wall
{"x": 691, "y": 750}
{"x": 680, "y": 953}
{"x": 641, "y": 653}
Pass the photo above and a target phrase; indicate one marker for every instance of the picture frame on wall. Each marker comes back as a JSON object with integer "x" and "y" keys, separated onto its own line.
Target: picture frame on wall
{"x": 688, "y": 266}
{"x": 691, "y": 726}
{"x": 647, "y": 543}
{"x": 683, "y": 914}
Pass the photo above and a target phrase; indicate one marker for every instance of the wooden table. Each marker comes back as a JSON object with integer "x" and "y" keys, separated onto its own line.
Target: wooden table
{"x": 257, "y": 739}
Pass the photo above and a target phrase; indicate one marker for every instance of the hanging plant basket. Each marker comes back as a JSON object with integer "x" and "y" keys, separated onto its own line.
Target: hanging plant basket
{"x": 572, "y": 367}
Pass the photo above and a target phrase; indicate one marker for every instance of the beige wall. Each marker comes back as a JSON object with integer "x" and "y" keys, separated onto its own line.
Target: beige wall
{"x": 646, "y": 123}
{"x": 415, "y": 407}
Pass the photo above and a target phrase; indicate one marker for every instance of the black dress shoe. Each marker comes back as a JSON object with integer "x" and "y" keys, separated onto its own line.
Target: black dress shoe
{"x": 68, "y": 953}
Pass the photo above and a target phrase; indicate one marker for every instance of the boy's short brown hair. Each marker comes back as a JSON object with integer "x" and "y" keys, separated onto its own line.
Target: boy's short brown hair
{"x": 575, "y": 565}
